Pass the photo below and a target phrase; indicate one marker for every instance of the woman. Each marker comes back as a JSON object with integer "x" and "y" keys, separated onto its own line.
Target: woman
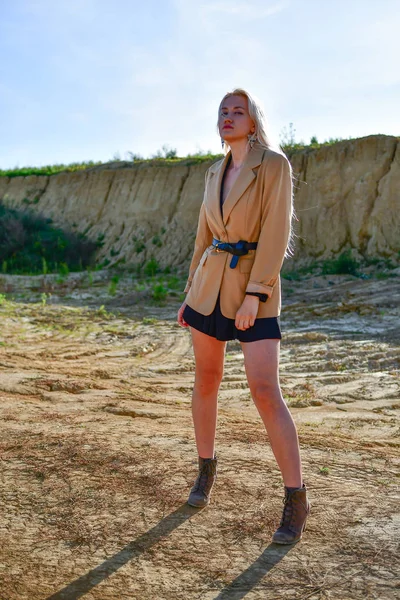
{"x": 233, "y": 292}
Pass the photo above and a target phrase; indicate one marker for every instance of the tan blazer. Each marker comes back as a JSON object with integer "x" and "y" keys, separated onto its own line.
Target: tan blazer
{"x": 258, "y": 208}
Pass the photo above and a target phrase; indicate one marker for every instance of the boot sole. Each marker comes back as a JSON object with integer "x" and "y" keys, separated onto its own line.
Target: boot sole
{"x": 198, "y": 505}
{"x": 287, "y": 543}
{"x": 294, "y": 542}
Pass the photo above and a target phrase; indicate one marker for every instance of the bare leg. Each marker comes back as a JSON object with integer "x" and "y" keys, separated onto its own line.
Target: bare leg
{"x": 209, "y": 355}
{"x": 261, "y": 361}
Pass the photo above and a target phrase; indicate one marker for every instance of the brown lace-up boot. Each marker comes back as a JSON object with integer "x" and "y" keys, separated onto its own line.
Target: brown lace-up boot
{"x": 295, "y": 512}
{"x": 200, "y": 492}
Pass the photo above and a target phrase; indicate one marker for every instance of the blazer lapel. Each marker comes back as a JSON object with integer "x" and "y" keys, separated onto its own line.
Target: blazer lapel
{"x": 247, "y": 174}
{"x": 214, "y": 190}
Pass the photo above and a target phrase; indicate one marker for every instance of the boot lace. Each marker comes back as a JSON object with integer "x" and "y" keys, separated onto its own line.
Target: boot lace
{"x": 291, "y": 509}
{"x": 202, "y": 480}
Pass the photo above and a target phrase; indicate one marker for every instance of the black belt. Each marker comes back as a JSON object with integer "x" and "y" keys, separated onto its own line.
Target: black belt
{"x": 237, "y": 249}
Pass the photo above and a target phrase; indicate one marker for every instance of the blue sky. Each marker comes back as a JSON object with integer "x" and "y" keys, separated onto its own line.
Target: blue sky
{"x": 87, "y": 79}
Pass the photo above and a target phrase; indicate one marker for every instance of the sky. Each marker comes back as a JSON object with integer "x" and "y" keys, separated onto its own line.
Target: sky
{"x": 94, "y": 80}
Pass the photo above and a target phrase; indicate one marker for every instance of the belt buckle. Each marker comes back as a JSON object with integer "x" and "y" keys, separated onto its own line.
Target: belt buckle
{"x": 217, "y": 248}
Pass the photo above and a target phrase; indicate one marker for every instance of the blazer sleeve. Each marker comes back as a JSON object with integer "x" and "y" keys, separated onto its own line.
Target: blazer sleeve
{"x": 276, "y": 217}
{"x": 203, "y": 239}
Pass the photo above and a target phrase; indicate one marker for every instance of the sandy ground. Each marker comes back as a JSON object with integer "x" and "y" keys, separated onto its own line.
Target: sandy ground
{"x": 98, "y": 452}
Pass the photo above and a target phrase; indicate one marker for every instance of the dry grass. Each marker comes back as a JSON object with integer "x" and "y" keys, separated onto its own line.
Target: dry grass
{"x": 98, "y": 457}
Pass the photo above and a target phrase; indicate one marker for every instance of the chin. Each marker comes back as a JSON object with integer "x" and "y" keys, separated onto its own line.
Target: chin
{"x": 228, "y": 137}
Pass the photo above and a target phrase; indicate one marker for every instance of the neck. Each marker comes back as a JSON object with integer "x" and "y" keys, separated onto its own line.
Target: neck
{"x": 239, "y": 150}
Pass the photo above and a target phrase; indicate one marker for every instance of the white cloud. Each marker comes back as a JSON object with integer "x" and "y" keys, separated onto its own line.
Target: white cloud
{"x": 247, "y": 11}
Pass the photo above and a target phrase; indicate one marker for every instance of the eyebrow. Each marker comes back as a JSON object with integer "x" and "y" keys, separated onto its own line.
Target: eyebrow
{"x": 222, "y": 107}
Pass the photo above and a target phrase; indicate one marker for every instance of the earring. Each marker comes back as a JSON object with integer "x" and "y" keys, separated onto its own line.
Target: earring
{"x": 252, "y": 138}
{"x": 222, "y": 142}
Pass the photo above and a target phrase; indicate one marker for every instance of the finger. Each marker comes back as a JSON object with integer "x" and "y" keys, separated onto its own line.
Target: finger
{"x": 182, "y": 321}
{"x": 180, "y": 318}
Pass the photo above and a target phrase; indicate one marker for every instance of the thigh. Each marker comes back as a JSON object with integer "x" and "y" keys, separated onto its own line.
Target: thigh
{"x": 209, "y": 353}
{"x": 261, "y": 361}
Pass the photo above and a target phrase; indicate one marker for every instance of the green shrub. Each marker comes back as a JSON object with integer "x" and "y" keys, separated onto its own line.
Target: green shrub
{"x": 34, "y": 201}
{"x": 149, "y": 320}
{"x": 90, "y": 277}
{"x": 157, "y": 241}
{"x": 291, "y": 275}
{"x": 30, "y": 244}
{"x": 174, "y": 283}
{"x": 63, "y": 269}
{"x": 139, "y": 246}
{"x": 324, "y": 470}
{"x": 344, "y": 264}
{"x": 166, "y": 152}
{"x": 112, "y": 288}
{"x": 159, "y": 292}
{"x": 151, "y": 268}
{"x": 103, "y": 264}
{"x": 100, "y": 238}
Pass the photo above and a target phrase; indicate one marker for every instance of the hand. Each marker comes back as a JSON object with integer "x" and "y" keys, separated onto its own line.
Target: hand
{"x": 180, "y": 319}
{"x": 247, "y": 313}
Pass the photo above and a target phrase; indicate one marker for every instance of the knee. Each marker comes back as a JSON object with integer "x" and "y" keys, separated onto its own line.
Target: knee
{"x": 266, "y": 393}
{"x": 208, "y": 379}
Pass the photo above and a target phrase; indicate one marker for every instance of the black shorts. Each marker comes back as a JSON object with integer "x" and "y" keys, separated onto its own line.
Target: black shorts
{"x": 223, "y": 329}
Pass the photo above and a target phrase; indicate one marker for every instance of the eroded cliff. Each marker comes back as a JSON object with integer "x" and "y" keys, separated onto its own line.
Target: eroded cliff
{"x": 346, "y": 195}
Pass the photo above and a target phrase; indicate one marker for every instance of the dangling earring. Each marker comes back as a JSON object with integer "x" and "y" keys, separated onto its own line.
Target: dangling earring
{"x": 222, "y": 142}
{"x": 252, "y": 138}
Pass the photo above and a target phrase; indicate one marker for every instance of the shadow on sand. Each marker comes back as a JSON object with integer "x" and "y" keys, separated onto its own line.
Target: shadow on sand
{"x": 234, "y": 591}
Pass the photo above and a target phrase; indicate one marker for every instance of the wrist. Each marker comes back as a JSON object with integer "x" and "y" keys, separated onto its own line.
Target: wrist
{"x": 251, "y": 298}
{"x": 260, "y": 296}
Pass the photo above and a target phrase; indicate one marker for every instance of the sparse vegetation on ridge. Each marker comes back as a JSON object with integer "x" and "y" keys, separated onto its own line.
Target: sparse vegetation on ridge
{"x": 190, "y": 159}
{"x": 48, "y": 169}
{"x": 167, "y": 157}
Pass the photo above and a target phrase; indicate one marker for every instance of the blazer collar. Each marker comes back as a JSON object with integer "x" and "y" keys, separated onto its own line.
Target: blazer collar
{"x": 247, "y": 174}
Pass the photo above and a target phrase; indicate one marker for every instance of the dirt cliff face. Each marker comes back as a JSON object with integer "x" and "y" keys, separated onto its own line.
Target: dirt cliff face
{"x": 346, "y": 195}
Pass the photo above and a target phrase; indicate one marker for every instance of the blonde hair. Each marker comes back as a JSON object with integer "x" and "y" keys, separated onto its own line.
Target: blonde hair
{"x": 256, "y": 114}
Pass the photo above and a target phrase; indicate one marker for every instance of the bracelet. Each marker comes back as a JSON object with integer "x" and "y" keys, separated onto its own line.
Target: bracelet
{"x": 261, "y": 297}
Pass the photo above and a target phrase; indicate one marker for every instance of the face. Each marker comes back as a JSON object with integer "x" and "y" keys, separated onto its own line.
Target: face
{"x": 234, "y": 122}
